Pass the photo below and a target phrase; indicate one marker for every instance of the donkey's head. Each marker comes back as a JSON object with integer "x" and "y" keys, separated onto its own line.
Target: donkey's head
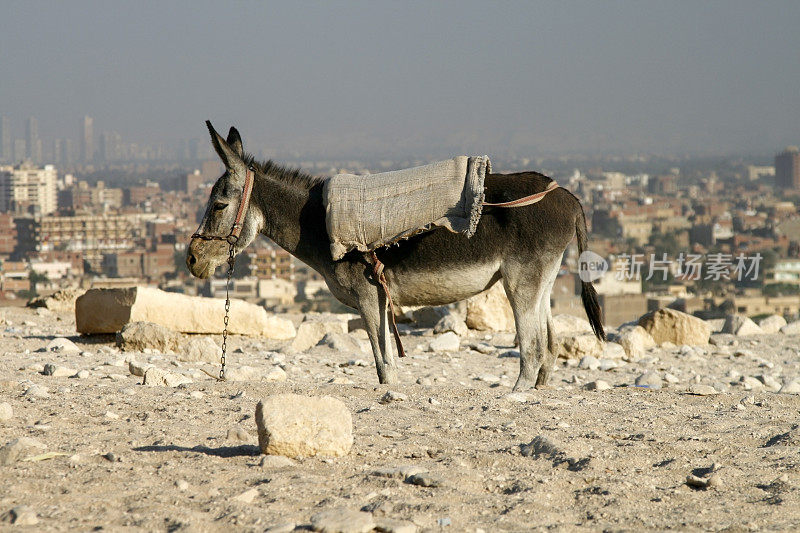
{"x": 209, "y": 247}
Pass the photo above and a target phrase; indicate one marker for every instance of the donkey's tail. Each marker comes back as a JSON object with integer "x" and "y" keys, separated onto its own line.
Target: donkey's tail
{"x": 588, "y": 293}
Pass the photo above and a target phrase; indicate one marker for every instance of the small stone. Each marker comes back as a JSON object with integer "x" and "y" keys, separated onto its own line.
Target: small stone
{"x": 238, "y": 434}
{"x": 447, "y": 342}
{"x": 451, "y": 322}
{"x": 36, "y": 391}
{"x": 57, "y": 371}
{"x": 589, "y": 362}
{"x": 276, "y": 461}
{"x": 196, "y": 395}
{"x": 750, "y": 383}
{"x": 112, "y": 416}
{"x": 341, "y": 342}
{"x": 425, "y": 382}
{"x": 598, "y": 385}
{"x": 769, "y": 382}
{"x": 484, "y": 348}
{"x": 243, "y": 373}
{"x": 518, "y": 397}
{"x": 342, "y": 520}
{"x": 792, "y": 387}
{"x": 200, "y": 350}
{"x": 20, "y": 516}
{"x": 62, "y": 345}
{"x": 82, "y": 374}
{"x": 488, "y": 378}
{"x": 156, "y": 377}
{"x": 649, "y": 380}
{"x": 400, "y": 472}
{"x": 277, "y": 374}
{"x": 247, "y": 496}
{"x": 182, "y": 485}
{"x": 608, "y": 364}
{"x": 286, "y": 527}
{"x": 434, "y": 401}
{"x": 138, "y": 369}
{"x": 6, "y": 412}
{"x": 392, "y": 396}
{"x": 671, "y": 379}
{"x": 390, "y": 525}
{"x": 16, "y": 449}
{"x": 425, "y": 480}
{"x": 702, "y": 390}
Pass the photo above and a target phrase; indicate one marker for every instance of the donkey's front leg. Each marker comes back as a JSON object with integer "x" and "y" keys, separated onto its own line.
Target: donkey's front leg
{"x": 375, "y": 313}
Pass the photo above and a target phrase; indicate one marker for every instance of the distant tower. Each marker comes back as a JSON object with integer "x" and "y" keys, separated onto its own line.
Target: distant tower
{"x": 87, "y": 140}
{"x": 5, "y": 140}
{"x": 33, "y": 145}
{"x": 787, "y": 168}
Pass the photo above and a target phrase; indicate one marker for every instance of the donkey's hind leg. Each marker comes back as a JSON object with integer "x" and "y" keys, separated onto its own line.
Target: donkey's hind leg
{"x": 375, "y": 312}
{"x": 528, "y": 288}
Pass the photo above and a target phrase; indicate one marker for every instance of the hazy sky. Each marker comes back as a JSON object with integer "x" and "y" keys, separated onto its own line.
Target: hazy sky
{"x": 405, "y": 77}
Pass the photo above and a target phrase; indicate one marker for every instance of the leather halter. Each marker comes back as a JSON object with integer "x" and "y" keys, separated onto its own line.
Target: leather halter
{"x": 525, "y": 200}
{"x": 238, "y": 222}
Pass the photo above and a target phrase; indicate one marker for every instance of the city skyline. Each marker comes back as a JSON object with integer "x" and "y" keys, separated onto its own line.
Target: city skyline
{"x": 363, "y": 78}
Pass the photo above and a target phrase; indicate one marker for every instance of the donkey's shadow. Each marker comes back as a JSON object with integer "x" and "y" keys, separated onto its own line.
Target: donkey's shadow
{"x": 244, "y": 450}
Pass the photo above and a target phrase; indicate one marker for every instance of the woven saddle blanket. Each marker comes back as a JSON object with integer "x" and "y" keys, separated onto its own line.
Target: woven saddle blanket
{"x": 375, "y": 210}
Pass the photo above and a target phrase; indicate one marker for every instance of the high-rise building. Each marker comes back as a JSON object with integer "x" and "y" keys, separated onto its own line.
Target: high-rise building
{"x": 26, "y": 188}
{"x": 787, "y": 168}
{"x": 5, "y": 140}
{"x": 87, "y": 140}
{"x": 19, "y": 151}
{"x": 33, "y": 145}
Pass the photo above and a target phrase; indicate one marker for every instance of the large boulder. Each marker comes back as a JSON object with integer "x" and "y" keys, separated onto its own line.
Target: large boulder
{"x": 669, "y": 325}
{"x": 740, "y": 325}
{"x": 108, "y": 310}
{"x": 301, "y": 426}
{"x": 136, "y": 336}
{"x": 772, "y": 324}
{"x": 490, "y": 310}
{"x": 62, "y": 301}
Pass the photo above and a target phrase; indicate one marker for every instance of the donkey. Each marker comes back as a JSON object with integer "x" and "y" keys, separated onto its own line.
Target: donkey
{"x": 523, "y": 247}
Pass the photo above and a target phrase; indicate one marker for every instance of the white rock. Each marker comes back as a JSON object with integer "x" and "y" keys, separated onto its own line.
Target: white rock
{"x": 276, "y": 461}
{"x": 570, "y": 325}
{"x": 792, "y": 328}
{"x": 62, "y": 345}
{"x": 453, "y": 323}
{"x": 792, "y": 387}
{"x": 579, "y": 346}
{"x": 247, "y": 496}
{"x": 650, "y": 380}
{"x": 6, "y": 412}
{"x": 769, "y": 382}
{"x": 608, "y": 364}
{"x": 772, "y": 324}
{"x": 277, "y": 374}
{"x": 669, "y": 325}
{"x": 138, "y": 369}
{"x": 598, "y": 385}
{"x": 300, "y": 426}
{"x": 612, "y": 350}
{"x": 142, "y": 336}
{"x": 58, "y": 371}
{"x": 243, "y": 373}
{"x": 589, "y": 362}
{"x": 341, "y": 520}
{"x": 392, "y": 396}
{"x": 740, "y": 326}
{"x": 446, "y": 342}
{"x": 17, "y": 449}
{"x": 702, "y": 390}
{"x": 156, "y": 377}
{"x": 635, "y": 340}
{"x": 341, "y": 342}
{"x": 201, "y": 350}
{"x": 310, "y": 332}
{"x": 750, "y": 383}
{"x": 108, "y": 310}
{"x": 36, "y": 391}
{"x": 670, "y": 378}
{"x": 490, "y": 310}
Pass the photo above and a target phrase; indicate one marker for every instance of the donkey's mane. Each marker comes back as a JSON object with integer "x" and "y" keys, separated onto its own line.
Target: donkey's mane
{"x": 295, "y": 177}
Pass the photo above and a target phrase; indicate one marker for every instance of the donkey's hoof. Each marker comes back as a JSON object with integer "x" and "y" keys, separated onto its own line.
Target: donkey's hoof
{"x": 523, "y": 385}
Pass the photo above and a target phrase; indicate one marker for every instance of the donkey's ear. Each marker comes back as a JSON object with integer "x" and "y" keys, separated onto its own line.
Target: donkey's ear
{"x": 235, "y": 141}
{"x": 230, "y": 158}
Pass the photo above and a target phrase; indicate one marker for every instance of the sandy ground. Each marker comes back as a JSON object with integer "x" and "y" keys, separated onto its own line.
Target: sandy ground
{"x": 172, "y": 459}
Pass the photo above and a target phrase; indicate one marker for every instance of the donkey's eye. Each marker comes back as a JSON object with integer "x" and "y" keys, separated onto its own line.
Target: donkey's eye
{"x": 219, "y": 206}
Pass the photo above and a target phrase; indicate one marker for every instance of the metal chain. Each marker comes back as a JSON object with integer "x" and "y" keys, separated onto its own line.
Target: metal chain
{"x": 231, "y": 260}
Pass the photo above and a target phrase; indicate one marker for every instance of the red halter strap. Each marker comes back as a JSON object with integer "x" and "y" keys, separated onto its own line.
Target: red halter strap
{"x": 238, "y": 222}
